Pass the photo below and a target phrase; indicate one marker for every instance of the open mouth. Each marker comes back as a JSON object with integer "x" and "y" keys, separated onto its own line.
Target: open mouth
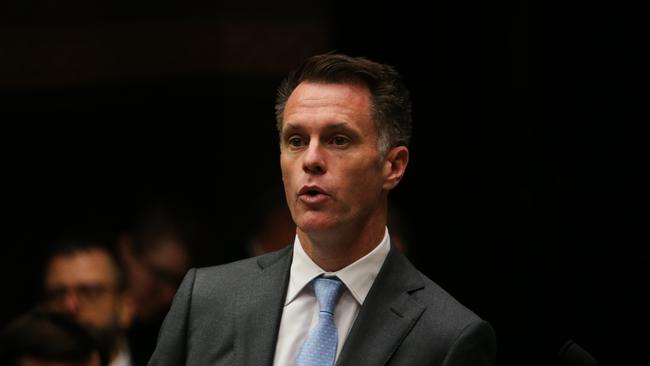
{"x": 312, "y": 192}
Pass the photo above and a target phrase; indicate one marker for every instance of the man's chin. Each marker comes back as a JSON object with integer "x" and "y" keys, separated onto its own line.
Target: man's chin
{"x": 317, "y": 225}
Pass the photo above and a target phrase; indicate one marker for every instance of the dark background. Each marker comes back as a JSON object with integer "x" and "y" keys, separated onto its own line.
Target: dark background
{"x": 522, "y": 199}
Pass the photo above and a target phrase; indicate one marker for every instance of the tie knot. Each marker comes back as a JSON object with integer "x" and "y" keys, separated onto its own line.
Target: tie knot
{"x": 328, "y": 291}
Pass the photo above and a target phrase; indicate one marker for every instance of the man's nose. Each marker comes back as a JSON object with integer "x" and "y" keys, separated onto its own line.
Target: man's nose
{"x": 314, "y": 158}
{"x": 71, "y": 303}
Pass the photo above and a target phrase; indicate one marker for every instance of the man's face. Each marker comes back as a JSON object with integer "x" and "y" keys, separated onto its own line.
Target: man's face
{"x": 333, "y": 173}
{"x": 84, "y": 286}
{"x": 155, "y": 275}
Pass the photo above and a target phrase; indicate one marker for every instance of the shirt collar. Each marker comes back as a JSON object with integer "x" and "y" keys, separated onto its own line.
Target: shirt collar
{"x": 358, "y": 277}
{"x": 123, "y": 357}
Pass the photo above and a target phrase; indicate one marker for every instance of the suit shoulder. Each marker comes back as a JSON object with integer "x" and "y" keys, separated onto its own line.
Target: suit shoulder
{"x": 434, "y": 295}
{"x": 441, "y": 308}
{"x": 233, "y": 273}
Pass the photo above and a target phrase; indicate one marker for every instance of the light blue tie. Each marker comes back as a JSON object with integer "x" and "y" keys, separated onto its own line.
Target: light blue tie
{"x": 320, "y": 347}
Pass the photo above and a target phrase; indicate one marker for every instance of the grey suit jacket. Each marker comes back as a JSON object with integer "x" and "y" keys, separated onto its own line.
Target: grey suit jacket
{"x": 230, "y": 315}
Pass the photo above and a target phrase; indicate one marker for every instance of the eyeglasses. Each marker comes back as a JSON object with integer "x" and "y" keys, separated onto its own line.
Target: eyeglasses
{"x": 85, "y": 293}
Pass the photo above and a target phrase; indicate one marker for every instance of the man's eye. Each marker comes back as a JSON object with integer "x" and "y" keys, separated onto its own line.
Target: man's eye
{"x": 91, "y": 291}
{"x": 295, "y": 141}
{"x": 340, "y": 140}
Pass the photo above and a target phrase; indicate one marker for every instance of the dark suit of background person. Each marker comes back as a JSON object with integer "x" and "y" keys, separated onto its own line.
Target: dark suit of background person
{"x": 339, "y": 159}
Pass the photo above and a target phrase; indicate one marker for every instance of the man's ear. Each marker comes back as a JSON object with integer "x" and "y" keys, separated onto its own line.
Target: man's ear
{"x": 395, "y": 164}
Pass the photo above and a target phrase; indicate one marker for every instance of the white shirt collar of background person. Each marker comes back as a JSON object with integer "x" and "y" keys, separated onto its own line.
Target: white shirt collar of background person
{"x": 300, "y": 311}
{"x": 123, "y": 358}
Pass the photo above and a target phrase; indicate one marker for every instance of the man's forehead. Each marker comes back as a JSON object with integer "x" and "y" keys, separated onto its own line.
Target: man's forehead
{"x": 82, "y": 265}
{"x": 310, "y": 92}
{"x": 331, "y": 106}
{"x": 96, "y": 255}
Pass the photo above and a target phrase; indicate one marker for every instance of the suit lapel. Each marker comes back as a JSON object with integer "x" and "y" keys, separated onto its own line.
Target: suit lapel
{"x": 260, "y": 309}
{"x": 387, "y": 314}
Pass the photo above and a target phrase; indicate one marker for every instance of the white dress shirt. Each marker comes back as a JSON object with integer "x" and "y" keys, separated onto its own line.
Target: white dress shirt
{"x": 123, "y": 358}
{"x": 300, "y": 313}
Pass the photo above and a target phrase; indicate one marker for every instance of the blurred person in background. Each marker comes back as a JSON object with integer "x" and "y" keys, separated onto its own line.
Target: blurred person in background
{"x": 43, "y": 338}
{"x": 272, "y": 227}
{"x": 155, "y": 253}
{"x": 84, "y": 281}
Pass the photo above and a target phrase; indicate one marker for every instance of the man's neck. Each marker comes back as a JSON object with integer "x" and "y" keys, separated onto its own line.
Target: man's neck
{"x": 334, "y": 250}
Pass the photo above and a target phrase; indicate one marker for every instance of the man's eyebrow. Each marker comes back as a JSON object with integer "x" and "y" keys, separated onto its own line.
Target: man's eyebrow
{"x": 290, "y": 128}
{"x": 342, "y": 127}
{"x": 339, "y": 126}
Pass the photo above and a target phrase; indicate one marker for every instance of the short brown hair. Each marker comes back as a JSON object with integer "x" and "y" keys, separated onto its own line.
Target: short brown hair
{"x": 390, "y": 100}
{"x": 48, "y": 336}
